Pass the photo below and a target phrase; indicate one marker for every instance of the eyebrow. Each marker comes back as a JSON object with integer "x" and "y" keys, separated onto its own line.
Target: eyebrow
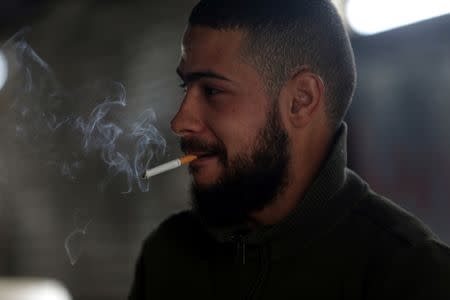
{"x": 194, "y": 76}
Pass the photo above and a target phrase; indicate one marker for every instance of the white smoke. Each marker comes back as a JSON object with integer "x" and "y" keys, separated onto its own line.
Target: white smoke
{"x": 38, "y": 113}
{"x": 74, "y": 242}
{"x": 43, "y": 110}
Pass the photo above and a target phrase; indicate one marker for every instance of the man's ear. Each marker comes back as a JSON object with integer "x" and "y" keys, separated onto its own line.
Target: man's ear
{"x": 306, "y": 93}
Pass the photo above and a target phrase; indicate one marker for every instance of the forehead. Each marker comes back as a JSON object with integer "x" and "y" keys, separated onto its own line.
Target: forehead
{"x": 204, "y": 47}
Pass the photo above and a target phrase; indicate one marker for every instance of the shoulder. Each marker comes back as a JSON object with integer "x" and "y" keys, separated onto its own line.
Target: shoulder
{"x": 169, "y": 255}
{"x": 421, "y": 271}
{"x": 179, "y": 231}
{"x": 178, "y": 222}
{"x": 406, "y": 259}
{"x": 383, "y": 228}
{"x": 378, "y": 227}
{"x": 388, "y": 219}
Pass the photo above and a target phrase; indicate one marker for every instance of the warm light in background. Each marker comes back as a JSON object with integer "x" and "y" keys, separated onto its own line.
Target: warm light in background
{"x": 3, "y": 70}
{"x": 370, "y": 17}
{"x": 32, "y": 289}
{"x": 340, "y": 5}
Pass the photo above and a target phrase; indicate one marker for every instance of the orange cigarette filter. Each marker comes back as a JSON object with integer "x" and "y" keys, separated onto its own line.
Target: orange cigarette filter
{"x": 187, "y": 159}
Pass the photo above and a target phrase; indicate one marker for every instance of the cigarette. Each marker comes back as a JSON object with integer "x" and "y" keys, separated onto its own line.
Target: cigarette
{"x": 173, "y": 164}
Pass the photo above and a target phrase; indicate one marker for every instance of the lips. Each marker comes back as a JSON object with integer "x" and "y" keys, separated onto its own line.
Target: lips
{"x": 205, "y": 151}
{"x": 201, "y": 155}
{"x": 203, "y": 158}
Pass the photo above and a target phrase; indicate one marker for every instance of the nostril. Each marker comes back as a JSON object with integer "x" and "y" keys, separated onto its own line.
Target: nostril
{"x": 188, "y": 119}
{"x": 178, "y": 123}
{"x": 186, "y": 123}
{"x": 180, "y": 127}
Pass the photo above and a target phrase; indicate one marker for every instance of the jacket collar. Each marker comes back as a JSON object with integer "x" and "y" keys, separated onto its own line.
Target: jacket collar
{"x": 314, "y": 213}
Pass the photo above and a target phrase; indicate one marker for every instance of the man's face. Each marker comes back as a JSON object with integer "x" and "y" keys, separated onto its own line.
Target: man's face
{"x": 227, "y": 119}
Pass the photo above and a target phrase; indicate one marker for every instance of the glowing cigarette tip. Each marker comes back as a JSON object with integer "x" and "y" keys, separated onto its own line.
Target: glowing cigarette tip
{"x": 173, "y": 164}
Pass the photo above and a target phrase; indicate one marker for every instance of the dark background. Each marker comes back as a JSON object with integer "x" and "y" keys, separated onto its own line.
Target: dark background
{"x": 399, "y": 134}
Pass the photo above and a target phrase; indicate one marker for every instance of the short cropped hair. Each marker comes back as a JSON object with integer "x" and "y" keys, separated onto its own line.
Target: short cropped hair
{"x": 284, "y": 35}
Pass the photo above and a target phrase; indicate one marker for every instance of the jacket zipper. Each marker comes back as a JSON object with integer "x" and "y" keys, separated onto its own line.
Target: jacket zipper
{"x": 240, "y": 247}
{"x": 263, "y": 261}
{"x": 262, "y": 274}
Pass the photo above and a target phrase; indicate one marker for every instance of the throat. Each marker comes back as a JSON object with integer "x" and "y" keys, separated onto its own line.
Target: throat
{"x": 279, "y": 209}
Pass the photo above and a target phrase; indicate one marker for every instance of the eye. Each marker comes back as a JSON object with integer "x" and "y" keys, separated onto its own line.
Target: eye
{"x": 209, "y": 91}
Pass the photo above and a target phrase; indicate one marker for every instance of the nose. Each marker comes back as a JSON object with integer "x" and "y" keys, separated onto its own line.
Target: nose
{"x": 187, "y": 120}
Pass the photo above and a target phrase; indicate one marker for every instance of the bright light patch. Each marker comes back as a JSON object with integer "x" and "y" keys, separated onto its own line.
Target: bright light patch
{"x": 3, "y": 70}
{"x": 369, "y": 17}
{"x": 32, "y": 289}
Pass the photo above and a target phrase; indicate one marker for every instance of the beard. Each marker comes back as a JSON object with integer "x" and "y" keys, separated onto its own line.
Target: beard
{"x": 249, "y": 182}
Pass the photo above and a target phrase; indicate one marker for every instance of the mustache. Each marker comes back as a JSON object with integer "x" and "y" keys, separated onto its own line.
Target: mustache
{"x": 195, "y": 145}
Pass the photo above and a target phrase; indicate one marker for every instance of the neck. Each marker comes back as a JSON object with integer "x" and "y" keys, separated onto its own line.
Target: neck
{"x": 304, "y": 168}
{"x": 284, "y": 203}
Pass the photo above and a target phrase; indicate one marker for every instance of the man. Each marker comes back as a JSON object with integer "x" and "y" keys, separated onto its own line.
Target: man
{"x": 275, "y": 212}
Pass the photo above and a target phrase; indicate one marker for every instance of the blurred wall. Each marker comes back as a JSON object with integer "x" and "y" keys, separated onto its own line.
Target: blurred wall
{"x": 399, "y": 119}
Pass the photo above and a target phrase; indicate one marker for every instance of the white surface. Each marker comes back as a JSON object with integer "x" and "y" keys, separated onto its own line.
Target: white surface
{"x": 374, "y": 16}
{"x": 3, "y": 69}
{"x": 163, "y": 168}
{"x": 32, "y": 289}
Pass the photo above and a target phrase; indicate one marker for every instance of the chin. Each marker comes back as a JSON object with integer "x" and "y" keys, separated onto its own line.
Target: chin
{"x": 207, "y": 172}
{"x": 204, "y": 178}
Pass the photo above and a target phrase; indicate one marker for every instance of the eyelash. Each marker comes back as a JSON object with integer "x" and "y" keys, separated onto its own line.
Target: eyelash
{"x": 209, "y": 91}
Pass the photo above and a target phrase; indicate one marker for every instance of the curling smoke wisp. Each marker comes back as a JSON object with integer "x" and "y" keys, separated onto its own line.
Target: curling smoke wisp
{"x": 74, "y": 241}
{"x": 3, "y": 70}
{"x": 43, "y": 111}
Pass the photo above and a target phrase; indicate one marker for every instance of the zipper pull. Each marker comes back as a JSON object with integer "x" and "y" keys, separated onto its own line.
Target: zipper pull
{"x": 240, "y": 245}
{"x": 243, "y": 252}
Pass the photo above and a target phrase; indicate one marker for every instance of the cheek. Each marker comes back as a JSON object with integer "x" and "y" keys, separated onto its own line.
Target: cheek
{"x": 238, "y": 122}
{"x": 238, "y": 135}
